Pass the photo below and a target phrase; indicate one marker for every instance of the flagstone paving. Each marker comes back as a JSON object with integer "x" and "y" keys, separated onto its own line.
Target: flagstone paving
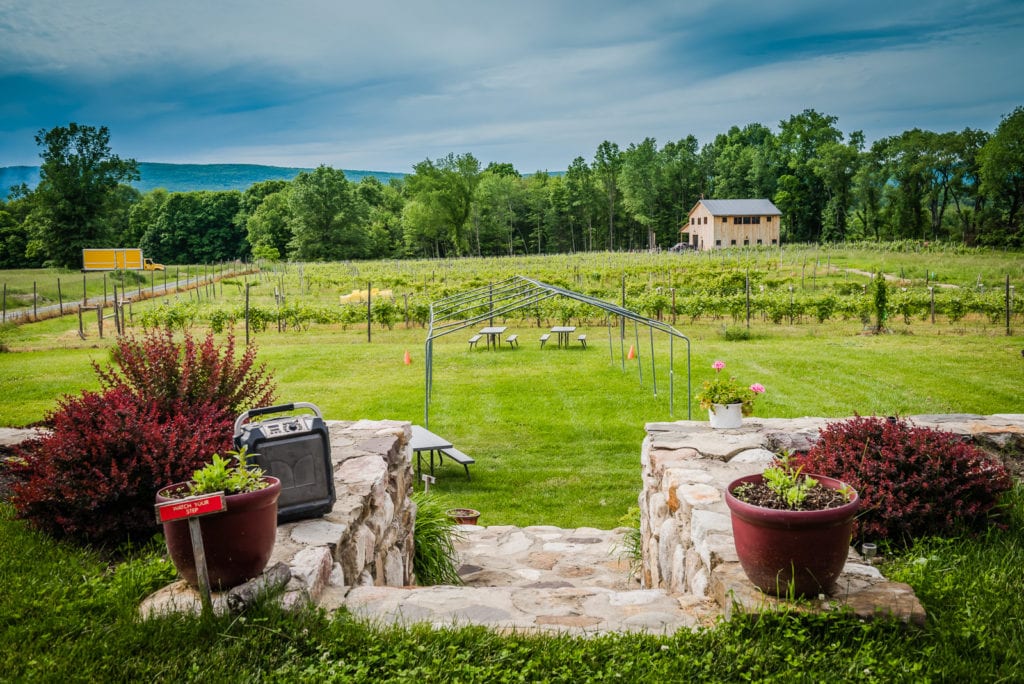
{"x": 534, "y": 579}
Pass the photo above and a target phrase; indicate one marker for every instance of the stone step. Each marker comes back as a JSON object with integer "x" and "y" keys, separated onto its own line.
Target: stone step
{"x": 574, "y": 610}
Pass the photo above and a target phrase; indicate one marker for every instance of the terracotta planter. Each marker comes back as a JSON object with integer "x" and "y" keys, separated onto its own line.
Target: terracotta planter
{"x": 792, "y": 552}
{"x": 725, "y": 416}
{"x": 238, "y": 542}
{"x": 464, "y": 516}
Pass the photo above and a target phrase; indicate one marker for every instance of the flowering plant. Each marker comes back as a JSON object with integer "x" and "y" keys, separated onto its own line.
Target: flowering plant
{"x": 725, "y": 389}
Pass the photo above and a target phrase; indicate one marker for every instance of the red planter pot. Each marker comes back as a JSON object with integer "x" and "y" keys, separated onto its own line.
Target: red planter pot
{"x": 464, "y": 516}
{"x": 792, "y": 552}
{"x": 237, "y": 542}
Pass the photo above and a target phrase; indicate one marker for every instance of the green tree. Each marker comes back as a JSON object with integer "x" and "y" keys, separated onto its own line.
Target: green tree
{"x": 744, "y": 163}
{"x": 328, "y": 217}
{"x": 143, "y": 216}
{"x": 384, "y": 234}
{"x": 583, "y": 199}
{"x": 268, "y": 228}
{"x": 909, "y": 169}
{"x": 679, "y": 187}
{"x": 16, "y": 221}
{"x": 499, "y": 202}
{"x": 965, "y": 182}
{"x": 801, "y": 194}
{"x": 607, "y": 167}
{"x": 196, "y": 227}
{"x": 445, "y": 188}
{"x": 836, "y": 165}
{"x": 1002, "y": 179}
{"x": 78, "y": 190}
{"x": 868, "y": 189}
{"x": 641, "y": 171}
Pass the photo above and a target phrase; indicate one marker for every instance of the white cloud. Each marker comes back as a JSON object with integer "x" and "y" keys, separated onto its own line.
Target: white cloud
{"x": 386, "y": 84}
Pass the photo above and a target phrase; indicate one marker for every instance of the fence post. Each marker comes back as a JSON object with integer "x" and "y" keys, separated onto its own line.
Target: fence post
{"x": 247, "y": 286}
{"x": 748, "y": 298}
{"x": 35, "y": 302}
{"x": 1008, "y": 304}
{"x": 60, "y": 299}
{"x": 369, "y": 319}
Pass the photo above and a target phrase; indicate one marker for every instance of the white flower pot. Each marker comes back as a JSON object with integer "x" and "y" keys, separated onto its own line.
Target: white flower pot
{"x": 726, "y": 415}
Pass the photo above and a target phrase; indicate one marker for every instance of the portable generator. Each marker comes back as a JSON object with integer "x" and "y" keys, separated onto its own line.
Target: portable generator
{"x": 296, "y": 450}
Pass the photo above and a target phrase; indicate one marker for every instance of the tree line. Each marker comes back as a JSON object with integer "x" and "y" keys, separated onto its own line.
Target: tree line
{"x": 831, "y": 187}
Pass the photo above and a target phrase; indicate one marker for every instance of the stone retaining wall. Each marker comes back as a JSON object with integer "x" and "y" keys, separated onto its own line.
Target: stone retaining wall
{"x": 365, "y": 540}
{"x": 686, "y": 530}
{"x": 368, "y": 535}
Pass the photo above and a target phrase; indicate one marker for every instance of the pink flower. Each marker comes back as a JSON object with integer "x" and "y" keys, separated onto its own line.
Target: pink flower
{"x": 718, "y": 365}
{"x": 757, "y": 388}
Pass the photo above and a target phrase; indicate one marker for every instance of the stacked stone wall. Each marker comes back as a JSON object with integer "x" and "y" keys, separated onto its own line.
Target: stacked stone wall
{"x": 686, "y": 529}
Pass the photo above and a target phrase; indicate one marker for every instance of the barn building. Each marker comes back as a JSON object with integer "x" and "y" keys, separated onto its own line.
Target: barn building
{"x": 715, "y": 224}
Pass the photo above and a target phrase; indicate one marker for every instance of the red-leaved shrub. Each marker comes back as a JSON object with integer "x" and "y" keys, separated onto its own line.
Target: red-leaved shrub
{"x": 160, "y": 415}
{"x": 158, "y": 368}
{"x": 913, "y": 481}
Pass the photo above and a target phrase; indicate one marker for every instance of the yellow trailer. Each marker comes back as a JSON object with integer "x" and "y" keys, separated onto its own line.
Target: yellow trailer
{"x": 129, "y": 259}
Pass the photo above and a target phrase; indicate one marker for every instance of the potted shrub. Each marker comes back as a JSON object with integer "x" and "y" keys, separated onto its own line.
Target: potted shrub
{"x": 238, "y": 541}
{"x": 726, "y": 399}
{"x": 792, "y": 530}
{"x": 463, "y": 516}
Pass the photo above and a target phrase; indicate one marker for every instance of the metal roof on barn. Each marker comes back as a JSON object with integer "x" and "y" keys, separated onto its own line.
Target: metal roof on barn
{"x": 739, "y": 207}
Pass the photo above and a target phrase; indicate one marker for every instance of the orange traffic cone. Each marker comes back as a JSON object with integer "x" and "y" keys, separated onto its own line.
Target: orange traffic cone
{"x": 408, "y": 359}
{"x": 632, "y": 353}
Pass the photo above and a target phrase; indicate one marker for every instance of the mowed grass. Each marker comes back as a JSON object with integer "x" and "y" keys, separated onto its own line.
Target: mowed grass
{"x": 556, "y": 433}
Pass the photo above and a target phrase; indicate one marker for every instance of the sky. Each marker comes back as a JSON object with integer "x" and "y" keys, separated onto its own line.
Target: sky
{"x": 383, "y": 85}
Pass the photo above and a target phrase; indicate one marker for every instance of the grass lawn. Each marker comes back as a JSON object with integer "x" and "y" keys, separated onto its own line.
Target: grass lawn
{"x": 69, "y": 615}
{"x": 556, "y": 433}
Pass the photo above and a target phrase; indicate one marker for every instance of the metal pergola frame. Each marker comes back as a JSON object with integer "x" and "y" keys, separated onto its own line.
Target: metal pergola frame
{"x": 470, "y": 308}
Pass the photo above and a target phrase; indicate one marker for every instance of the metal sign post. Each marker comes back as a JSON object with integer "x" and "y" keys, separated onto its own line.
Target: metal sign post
{"x": 191, "y": 509}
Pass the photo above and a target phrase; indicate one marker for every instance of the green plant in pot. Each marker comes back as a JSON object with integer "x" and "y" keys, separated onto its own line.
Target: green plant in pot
{"x": 238, "y": 542}
{"x": 792, "y": 530}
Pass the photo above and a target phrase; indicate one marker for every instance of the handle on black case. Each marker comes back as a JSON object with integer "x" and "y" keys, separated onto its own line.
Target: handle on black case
{"x": 281, "y": 408}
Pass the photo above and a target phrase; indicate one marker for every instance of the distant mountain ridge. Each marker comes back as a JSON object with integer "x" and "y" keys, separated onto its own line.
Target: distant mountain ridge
{"x": 189, "y": 177}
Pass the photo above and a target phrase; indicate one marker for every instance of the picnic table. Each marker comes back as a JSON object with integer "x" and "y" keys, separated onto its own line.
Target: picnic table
{"x": 425, "y": 440}
{"x": 493, "y": 334}
{"x": 563, "y": 332}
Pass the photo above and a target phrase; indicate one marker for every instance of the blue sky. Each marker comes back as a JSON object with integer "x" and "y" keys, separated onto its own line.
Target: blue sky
{"x": 383, "y": 85}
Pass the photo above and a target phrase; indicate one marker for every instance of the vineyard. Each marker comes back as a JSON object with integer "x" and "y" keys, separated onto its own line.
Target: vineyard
{"x": 793, "y": 286}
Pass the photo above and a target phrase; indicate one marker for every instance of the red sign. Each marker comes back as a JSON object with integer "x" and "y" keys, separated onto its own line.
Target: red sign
{"x": 191, "y": 507}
